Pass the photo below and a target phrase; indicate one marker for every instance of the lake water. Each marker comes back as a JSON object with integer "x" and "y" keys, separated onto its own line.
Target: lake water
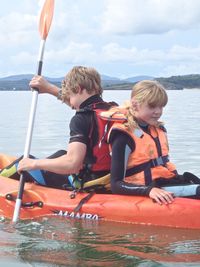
{"x": 61, "y": 242}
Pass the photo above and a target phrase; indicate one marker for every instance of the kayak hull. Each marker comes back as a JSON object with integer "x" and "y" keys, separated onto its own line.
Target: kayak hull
{"x": 39, "y": 201}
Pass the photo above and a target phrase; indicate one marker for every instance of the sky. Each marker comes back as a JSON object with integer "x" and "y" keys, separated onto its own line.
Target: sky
{"x": 120, "y": 38}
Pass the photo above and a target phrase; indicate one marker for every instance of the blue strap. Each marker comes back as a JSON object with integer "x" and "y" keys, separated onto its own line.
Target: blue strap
{"x": 162, "y": 160}
{"x": 36, "y": 175}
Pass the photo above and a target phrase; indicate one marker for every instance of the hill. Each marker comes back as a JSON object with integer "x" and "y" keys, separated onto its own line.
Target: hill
{"x": 21, "y": 82}
{"x": 180, "y": 82}
{"x": 139, "y": 78}
{"x": 171, "y": 83}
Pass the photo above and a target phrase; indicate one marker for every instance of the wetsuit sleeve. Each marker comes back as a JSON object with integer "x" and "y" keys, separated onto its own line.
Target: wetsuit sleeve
{"x": 122, "y": 146}
{"x": 79, "y": 128}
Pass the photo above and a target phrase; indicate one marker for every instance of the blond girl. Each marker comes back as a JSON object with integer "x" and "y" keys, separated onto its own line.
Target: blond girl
{"x": 140, "y": 152}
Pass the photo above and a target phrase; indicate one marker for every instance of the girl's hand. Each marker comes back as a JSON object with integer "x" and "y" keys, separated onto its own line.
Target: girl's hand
{"x": 161, "y": 196}
{"x": 26, "y": 164}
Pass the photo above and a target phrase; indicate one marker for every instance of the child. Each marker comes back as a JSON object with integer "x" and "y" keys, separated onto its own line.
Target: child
{"x": 81, "y": 89}
{"x": 140, "y": 153}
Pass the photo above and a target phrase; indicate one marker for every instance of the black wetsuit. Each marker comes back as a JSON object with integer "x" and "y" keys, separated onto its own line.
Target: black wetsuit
{"x": 80, "y": 123}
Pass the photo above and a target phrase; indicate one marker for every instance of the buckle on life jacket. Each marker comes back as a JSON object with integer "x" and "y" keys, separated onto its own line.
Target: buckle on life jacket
{"x": 162, "y": 160}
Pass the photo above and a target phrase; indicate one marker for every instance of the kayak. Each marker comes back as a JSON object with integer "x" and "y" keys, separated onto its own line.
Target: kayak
{"x": 40, "y": 201}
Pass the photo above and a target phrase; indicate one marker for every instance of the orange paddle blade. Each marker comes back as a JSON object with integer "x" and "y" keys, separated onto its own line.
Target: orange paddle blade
{"x": 46, "y": 18}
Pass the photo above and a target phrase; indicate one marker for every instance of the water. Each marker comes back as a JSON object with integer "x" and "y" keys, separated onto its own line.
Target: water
{"x": 62, "y": 242}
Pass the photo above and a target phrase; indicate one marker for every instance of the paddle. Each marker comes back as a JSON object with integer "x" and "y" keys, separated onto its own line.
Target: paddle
{"x": 44, "y": 26}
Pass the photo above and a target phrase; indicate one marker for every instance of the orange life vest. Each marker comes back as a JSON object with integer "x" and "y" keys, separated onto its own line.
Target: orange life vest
{"x": 150, "y": 158}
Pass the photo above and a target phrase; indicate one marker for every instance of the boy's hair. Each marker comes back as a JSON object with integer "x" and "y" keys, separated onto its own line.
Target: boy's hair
{"x": 84, "y": 77}
{"x": 149, "y": 92}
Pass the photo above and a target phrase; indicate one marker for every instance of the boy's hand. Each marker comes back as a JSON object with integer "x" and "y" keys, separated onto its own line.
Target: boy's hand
{"x": 42, "y": 85}
{"x": 26, "y": 164}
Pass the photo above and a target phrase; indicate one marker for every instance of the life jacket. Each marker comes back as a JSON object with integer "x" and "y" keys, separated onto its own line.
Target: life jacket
{"x": 99, "y": 154}
{"x": 98, "y": 159}
{"x": 150, "y": 159}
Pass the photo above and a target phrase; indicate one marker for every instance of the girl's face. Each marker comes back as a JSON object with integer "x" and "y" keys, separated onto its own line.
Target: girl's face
{"x": 146, "y": 113}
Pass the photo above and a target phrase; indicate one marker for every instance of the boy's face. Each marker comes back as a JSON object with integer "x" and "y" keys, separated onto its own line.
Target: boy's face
{"x": 74, "y": 100}
{"x": 148, "y": 114}
{"x": 70, "y": 98}
{"x": 74, "y": 97}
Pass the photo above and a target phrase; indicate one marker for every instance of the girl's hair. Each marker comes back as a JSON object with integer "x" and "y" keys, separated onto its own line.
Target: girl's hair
{"x": 84, "y": 77}
{"x": 149, "y": 92}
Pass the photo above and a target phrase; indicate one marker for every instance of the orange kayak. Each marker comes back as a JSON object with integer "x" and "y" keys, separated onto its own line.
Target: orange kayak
{"x": 41, "y": 201}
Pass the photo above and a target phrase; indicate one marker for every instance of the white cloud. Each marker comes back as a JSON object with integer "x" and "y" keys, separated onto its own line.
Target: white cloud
{"x": 181, "y": 53}
{"x": 17, "y": 29}
{"x": 113, "y": 53}
{"x": 118, "y": 37}
{"x": 74, "y": 53}
{"x": 24, "y": 58}
{"x": 184, "y": 69}
{"x": 150, "y": 16}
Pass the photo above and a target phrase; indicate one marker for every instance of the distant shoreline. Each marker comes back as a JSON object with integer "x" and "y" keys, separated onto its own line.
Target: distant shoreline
{"x": 21, "y": 82}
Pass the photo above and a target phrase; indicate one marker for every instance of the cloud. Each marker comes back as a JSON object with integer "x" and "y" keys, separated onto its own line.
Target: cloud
{"x": 132, "y": 57}
{"x": 74, "y": 53}
{"x": 75, "y": 20}
{"x": 178, "y": 52}
{"x": 24, "y": 58}
{"x": 176, "y": 69}
{"x": 17, "y": 29}
{"x": 127, "y": 17}
{"x": 118, "y": 37}
{"x": 114, "y": 52}
{"x": 177, "y": 59}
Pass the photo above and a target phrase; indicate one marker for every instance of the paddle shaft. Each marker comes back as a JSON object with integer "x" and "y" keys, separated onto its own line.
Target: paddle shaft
{"x": 29, "y": 134}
